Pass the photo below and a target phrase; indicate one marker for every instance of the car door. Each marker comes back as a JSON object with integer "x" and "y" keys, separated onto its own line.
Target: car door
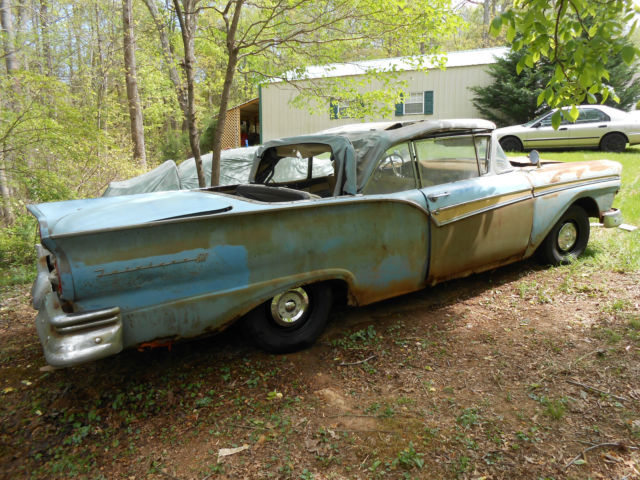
{"x": 542, "y": 134}
{"x": 479, "y": 219}
{"x": 589, "y": 128}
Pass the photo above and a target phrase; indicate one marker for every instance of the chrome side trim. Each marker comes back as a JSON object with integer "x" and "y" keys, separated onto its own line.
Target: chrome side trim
{"x": 452, "y": 213}
{"x": 546, "y": 190}
{"x": 76, "y": 321}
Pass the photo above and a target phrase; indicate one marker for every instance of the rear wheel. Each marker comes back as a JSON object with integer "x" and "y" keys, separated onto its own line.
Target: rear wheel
{"x": 290, "y": 321}
{"x": 613, "y": 142}
{"x": 511, "y": 144}
{"x": 567, "y": 239}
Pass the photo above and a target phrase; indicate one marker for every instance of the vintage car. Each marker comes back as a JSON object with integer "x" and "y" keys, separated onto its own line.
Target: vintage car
{"x": 597, "y": 126}
{"x": 402, "y": 208}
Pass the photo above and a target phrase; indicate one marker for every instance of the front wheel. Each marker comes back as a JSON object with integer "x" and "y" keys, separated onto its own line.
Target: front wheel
{"x": 290, "y": 321}
{"x": 567, "y": 239}
{"x": 511, "y": 144}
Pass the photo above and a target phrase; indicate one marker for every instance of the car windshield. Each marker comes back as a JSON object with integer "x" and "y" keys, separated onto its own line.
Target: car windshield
{"x": 537, "y": 119}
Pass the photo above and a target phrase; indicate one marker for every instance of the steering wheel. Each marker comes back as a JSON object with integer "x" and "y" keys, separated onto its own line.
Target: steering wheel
{"x": 396, "y": 161}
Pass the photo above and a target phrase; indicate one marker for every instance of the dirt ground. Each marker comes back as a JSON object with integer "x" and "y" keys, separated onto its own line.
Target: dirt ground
{"x": 523, "y": 372}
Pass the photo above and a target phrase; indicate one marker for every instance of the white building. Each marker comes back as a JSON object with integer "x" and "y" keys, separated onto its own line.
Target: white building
{"x": 434, "y": 94}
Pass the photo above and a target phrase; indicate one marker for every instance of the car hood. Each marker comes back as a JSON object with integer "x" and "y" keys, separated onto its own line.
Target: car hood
{"x": 87, "y": 215}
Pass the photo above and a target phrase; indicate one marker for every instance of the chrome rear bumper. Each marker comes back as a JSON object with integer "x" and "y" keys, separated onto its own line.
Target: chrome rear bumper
{"x": 72, "y": 338}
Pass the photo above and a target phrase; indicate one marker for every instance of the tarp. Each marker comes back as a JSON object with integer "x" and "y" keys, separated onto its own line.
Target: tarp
{"x": 160, "y": 179}
{"x": 235, "y": 166}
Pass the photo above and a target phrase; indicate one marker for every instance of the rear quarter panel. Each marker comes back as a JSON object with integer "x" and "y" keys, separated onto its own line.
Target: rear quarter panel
{"x": 184, "y": 278}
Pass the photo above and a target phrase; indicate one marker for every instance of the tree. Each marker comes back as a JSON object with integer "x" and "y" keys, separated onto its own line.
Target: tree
{"x": 304, "y": 32}
{"x": 133, "y": 97}
{"x": 577, "y": 37}
{"x": 187, "y": 16}
{"x": 512, "y": 97}
{"x": 169, "y": 58}
{"x": 11, "y": 63}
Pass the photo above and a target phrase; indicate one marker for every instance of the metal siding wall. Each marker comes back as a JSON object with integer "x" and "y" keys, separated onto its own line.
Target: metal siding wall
{"x": 451, "y": 99}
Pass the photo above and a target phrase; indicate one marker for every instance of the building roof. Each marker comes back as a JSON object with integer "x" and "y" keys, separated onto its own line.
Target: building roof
{"x": 463, "y": 58}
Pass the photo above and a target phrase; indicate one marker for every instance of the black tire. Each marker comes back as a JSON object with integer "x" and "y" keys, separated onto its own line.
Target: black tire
{"x": 567, "y": 239}
{"x": 613, "y": 142}
{"x": 511, "y": 144}
{"x": 270, "y": 332}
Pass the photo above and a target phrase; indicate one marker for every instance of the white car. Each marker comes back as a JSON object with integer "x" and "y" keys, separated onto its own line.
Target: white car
{"x": 597, "y": 126}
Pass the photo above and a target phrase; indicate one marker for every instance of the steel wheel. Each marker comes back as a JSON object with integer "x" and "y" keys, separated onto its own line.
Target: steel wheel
{"x": 290, "y": 308}
{"x": 291, "y": 320}
{"x": 567, "y": 239}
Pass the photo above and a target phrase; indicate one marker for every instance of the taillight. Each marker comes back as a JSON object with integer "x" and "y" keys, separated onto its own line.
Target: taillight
{"x": 54, "y": 274}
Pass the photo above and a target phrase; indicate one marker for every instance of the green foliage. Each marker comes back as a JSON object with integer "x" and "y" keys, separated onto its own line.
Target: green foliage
{"x": 409, "y": 458}
{"x": 513, "y": 96}
{"x": 578, "y": 38}
{"x": 175, "y": 146}
{"x": 17, "y": 243}
{"x": 354, "y": 30}
{"x": 206, "y": 139}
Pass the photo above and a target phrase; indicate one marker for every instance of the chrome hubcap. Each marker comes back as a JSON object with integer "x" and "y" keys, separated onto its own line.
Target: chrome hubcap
{"x": 567, "y": 236}
{"x": 289, "y": 307}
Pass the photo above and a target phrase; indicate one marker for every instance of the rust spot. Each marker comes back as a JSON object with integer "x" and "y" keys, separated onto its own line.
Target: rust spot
{"x": 364, "y": 296}
{"x": 155, "y": 344}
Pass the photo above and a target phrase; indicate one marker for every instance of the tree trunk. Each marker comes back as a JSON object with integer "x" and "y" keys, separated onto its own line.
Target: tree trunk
{"x": 224, "y": 97}
{"x": 187, "y": 19}
{"x": 7, "y": 213}
{"x": 135, "y": 110}
{"x": 169, "y": 60}
{"x": 486, "y": 20}
{"x": 46, "y": 37}
{"x": 6, "y": 18}
{"x": 11, "y": 62}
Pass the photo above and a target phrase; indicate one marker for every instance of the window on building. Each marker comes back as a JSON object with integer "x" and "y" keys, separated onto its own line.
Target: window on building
{"x": 416, "y": 103}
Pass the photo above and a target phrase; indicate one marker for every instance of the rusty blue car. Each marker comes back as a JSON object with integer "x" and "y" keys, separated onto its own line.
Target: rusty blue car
{"x": 362, "y": 214}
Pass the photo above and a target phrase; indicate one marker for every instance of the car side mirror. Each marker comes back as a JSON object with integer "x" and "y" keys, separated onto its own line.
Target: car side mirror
{"x": 534, "y": 158}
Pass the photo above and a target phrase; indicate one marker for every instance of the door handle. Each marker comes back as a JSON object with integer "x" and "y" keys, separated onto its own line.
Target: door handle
{"x": 602, "y": 126}
{"x": 435, "y": 196}
{"x": 562, "y": 128}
